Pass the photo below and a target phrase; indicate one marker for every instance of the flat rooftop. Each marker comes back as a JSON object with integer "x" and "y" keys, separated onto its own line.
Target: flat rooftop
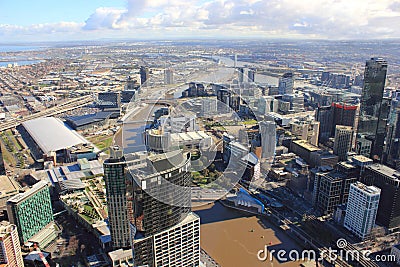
{"x": 51, "y": 134}
{"x": 22, "y": 196}
{"x": 372, "y": 190}
{"x": 385, "y": 170}
{"x": 8, "y": 184}
{"x": 306, "y": 145}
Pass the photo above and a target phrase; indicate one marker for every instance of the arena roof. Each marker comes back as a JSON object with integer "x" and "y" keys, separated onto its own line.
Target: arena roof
{"x": 51, "y": 134}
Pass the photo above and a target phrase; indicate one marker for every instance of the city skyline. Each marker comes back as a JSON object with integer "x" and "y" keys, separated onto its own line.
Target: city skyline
{"x": 176, "y": 19}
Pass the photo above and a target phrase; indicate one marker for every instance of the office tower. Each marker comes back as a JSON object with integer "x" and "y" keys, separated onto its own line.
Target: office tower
{"x": 117, "y": 203}
{"x": 333, "y": 187}
{"x": 267, "y": 104}
{"x": 144, "y": 74}
{"x": 296, "y": 102}
{"x": 324, "y": 116}
{"x": 235, "y": 61}
{"x": 386, "y": 179}
{"x": 32, "y": 213}
{"x": 342, "y": 144}
{"x": 286, "y": 84}
{"x": 362, "y": 207}
{"x": 343, "y": 114}
{"x": 268, "y": 139}
{"x": 393, "y": 135}
{"x": 251, "y": 75}
{"x": 240, "y": 74}
{"x": 2, "y": 167}
{"x": 374, "y": 111}
{"x": 168, "y": 76}
{"x": 10, "y": 249}
{"x": 305, "y": 129}
{"x": 209, "y": 106}
{"x": 130, "y": 90}
{"x": 325, "y": 77}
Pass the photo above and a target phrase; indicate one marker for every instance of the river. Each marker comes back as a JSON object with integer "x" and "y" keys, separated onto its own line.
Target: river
{"x": 233, "y": 238}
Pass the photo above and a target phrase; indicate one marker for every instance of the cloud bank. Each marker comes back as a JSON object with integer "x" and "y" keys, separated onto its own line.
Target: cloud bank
{"x": 326, "y": 19}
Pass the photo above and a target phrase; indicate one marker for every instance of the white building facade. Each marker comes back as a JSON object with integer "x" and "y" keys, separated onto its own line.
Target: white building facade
{"x": 362, "y": 207}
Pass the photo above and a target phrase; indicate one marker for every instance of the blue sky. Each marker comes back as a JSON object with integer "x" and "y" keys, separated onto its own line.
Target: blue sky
{"x": 41, "y": 20}
{"x": 25, "y": 13}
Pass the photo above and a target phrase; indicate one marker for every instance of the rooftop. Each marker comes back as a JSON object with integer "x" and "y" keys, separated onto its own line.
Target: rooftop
{"x": 385, "y": 170}
{"x": 306, "y": 145}
{"x": 7, "y": 184}
{"x": 22, "y": 196}
{"x": 367, "y": 189}
{"x": 362, "y": 159}
{"x": 51, "y": 134}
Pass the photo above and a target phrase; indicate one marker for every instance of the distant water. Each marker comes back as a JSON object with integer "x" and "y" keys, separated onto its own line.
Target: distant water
{"x": 19, "y": 62}
{"x": 18, "y": 48}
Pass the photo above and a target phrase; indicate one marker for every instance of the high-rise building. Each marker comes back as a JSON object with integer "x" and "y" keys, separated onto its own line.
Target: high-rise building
{"x": 342, "y": 144}
{"x": 393, "y": 136}
{"x": 149, "y": 207}
{"x": 324, "y": 116}
{"x": 251, "y": 73}
{"x": 117, "y": 203}
{"x": 332, "y": 188}
{"x": 168, "y": 76}
{"x": 343, "y": 114}
{"x": 335, "y": 114}
{"x": 374, "y": 111}
{"x": 286, "y": 84}
{"x": 388, "y": 180}
{"x": 144, "y": 74}
{"x": 362, "y": 207}
{"x": 305, "y": 129}
{"x": 268, "y": 139}
{"x": 10, "y": 249}
{"x": 240, "y": 74}
{"x": 32, "y": 213}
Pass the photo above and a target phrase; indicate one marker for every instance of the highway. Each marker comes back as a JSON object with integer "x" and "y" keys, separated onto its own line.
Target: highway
{"x": 61, "y": 108}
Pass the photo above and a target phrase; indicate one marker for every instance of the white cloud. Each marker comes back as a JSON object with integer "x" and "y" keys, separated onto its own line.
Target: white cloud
{"x": 235, "y": 18}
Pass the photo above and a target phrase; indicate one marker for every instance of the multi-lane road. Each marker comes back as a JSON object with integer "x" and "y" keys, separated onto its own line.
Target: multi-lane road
{"x": 60, "y": 108}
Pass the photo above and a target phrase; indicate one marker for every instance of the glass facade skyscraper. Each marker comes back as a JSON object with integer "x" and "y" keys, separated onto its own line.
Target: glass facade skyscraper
{"x": 374, "y": 111}
{"x": 149, "y": 207}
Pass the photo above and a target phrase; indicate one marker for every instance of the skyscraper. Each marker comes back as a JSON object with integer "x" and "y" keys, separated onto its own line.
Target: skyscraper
{"x": 393, "y": 136}
{"x": 116, "y": 192}
{"x": 32, "y": 213}
{"x": 251, "y": 75}
{"x": 268, "y": 142}
{"x": 10, "y": 249}
{"x": 240, "y": 74}
{"x": 149, "y": 207}
{"x": 362, "y": 207}
{"x": 324, "y": 116}
{"x": 342, "y": 144}
{"x": 144, "y": 74}
{"x": 386, "y": 179}
{"x": 374, "y": 110}
{"x": 286, "y": 84}
{"x": 168, "y": 76}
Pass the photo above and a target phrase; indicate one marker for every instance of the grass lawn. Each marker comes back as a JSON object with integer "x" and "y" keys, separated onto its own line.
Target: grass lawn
{"x": 103, "y": 143}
